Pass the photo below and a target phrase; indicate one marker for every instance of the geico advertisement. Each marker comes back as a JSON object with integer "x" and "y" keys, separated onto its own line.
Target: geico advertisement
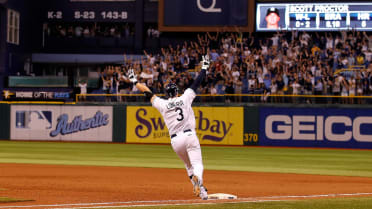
{"x": 323, "y": 127}
{"x": 56, "y": 122}
{"x": 214, "y": 125}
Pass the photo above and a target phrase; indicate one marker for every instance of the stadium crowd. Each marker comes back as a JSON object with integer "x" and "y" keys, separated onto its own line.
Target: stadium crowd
{"x": 95, "y": 29}
{"x": 88, "y": 30}
{"x": 284, "y": 63}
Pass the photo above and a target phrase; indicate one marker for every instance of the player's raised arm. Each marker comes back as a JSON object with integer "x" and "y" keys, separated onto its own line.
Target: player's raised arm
{"x": 143, "y": 88}
{"x": 205, "y": 65}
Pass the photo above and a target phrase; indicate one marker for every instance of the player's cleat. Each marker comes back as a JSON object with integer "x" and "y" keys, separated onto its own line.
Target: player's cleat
{"x": 203, "y": 193}
{"x": 196, "y": 185}
{"x": 199, "y": 190}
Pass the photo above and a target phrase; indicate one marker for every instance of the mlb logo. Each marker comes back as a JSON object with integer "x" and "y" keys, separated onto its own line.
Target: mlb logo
{"x": 35, "y": 120}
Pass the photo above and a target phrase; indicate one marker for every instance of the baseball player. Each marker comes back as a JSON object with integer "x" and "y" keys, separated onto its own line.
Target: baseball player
{"x": 180, "y": 120}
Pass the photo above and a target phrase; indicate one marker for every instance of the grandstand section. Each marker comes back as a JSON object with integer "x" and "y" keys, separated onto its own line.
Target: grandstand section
{"x": 60, "y": 45}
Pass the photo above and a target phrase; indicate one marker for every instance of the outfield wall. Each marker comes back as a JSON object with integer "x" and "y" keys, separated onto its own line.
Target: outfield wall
{"x": 257, "y": 125}
{"x": 4, "y": 121}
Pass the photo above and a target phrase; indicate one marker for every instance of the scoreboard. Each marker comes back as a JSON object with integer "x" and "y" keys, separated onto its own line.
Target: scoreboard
{"x": 314, "y": 16}
{"x": 90, "y": 11}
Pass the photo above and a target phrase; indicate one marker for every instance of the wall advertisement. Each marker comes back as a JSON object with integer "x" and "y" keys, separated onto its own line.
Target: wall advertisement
{"x": 316, "y": 127}
{"x": 62, "y": 123}
{"x": 214, "y": 125}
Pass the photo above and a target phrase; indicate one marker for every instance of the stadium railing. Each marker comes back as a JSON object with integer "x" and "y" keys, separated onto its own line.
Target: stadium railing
{"x": 350, "y": 71}
{"x": 233, "y": 98}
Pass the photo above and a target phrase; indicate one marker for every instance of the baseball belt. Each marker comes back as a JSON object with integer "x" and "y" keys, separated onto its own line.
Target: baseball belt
{"x": 174, "y": 135}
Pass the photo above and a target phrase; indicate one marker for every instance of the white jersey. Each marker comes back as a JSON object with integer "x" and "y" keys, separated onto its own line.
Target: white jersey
{"x": 177, "y": 112}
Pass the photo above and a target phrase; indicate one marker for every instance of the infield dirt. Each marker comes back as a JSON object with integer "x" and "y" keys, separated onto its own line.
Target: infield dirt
{"x": 56, "y": 184}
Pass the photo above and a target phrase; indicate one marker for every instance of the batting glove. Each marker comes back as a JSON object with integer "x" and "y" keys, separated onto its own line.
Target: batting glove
{"x": 205, "y": 62}
{"x": 132, "y": 76}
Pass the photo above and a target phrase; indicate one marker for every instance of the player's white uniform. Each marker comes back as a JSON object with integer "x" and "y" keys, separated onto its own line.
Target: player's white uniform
{"x": 180, "y": 120}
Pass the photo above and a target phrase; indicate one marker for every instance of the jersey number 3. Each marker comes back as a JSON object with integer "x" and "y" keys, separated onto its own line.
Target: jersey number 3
{"x": 179, "y": 111}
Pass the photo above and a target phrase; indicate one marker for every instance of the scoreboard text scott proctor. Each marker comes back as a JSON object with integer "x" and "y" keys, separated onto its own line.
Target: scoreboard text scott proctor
{"x": 298, "y": 8}
{"x": 319, "y": 16}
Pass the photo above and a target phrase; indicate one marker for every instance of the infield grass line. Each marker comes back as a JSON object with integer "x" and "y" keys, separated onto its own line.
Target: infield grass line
{"x": 183, "y": 202}
{"x": 12, "y": 200}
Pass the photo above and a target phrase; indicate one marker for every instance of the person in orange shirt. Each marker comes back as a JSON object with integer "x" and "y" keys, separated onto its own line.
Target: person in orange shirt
{"x": 315, "y": 49}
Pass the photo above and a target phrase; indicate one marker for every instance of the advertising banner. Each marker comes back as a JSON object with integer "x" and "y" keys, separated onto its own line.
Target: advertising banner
{"x": 65, "y": 123}
{"x": 316, "y": 127}
{"x": 11, "y": 95}
{"x": 214, "y": 125}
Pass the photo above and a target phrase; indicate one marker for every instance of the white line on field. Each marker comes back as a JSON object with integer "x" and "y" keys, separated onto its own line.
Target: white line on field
{"x": 175, "y": 202}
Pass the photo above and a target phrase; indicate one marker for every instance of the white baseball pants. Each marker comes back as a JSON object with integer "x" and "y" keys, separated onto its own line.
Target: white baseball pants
{"x": 187, "y": 147}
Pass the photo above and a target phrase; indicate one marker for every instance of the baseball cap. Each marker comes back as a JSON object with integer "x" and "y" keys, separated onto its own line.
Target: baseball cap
{"x": 272, "y": 10}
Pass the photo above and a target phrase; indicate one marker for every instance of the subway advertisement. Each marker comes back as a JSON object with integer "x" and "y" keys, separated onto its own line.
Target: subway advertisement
{"x": 214, "y": 125}
{"x": 62, "y": 123}
{"x": 316, "y": 127}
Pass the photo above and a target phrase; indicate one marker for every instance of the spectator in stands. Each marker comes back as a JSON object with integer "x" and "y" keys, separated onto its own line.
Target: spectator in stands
{"x": 318, "y": 90}
{"x": 336, "y": 88}
{"x": 83, "y": 90}
{"x": 62, "y": 31}
{"x": 352, "y": 89}
{"x": 147, "y": 76}
{"x": 70, "y": 32}
{"x": 273, "y": 90}
{"x": 280, "y": 87}
{"x": 238, "y": 86}
{"x": 308, "y": 85}
{"x": 214, "y": 55}
{"x": 106, "y": 82}
{"x": 229, "y": 90}
{"x": 359, "y": 90}
{"x": 86, "y": 32}
{"x": 126, "y": 31}
{"x": 78, "y": 31}
{"x": 344, "y": 90}
{"x": 152, "y": 32}
{"x": 124, "y": 85}
{"x": 213, "y": 41}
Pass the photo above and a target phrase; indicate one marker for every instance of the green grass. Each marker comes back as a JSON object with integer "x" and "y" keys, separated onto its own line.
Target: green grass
{"x": 281, "y": 160}
{"x": 7, "y": 200}
{"x": 347, "y": 203}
